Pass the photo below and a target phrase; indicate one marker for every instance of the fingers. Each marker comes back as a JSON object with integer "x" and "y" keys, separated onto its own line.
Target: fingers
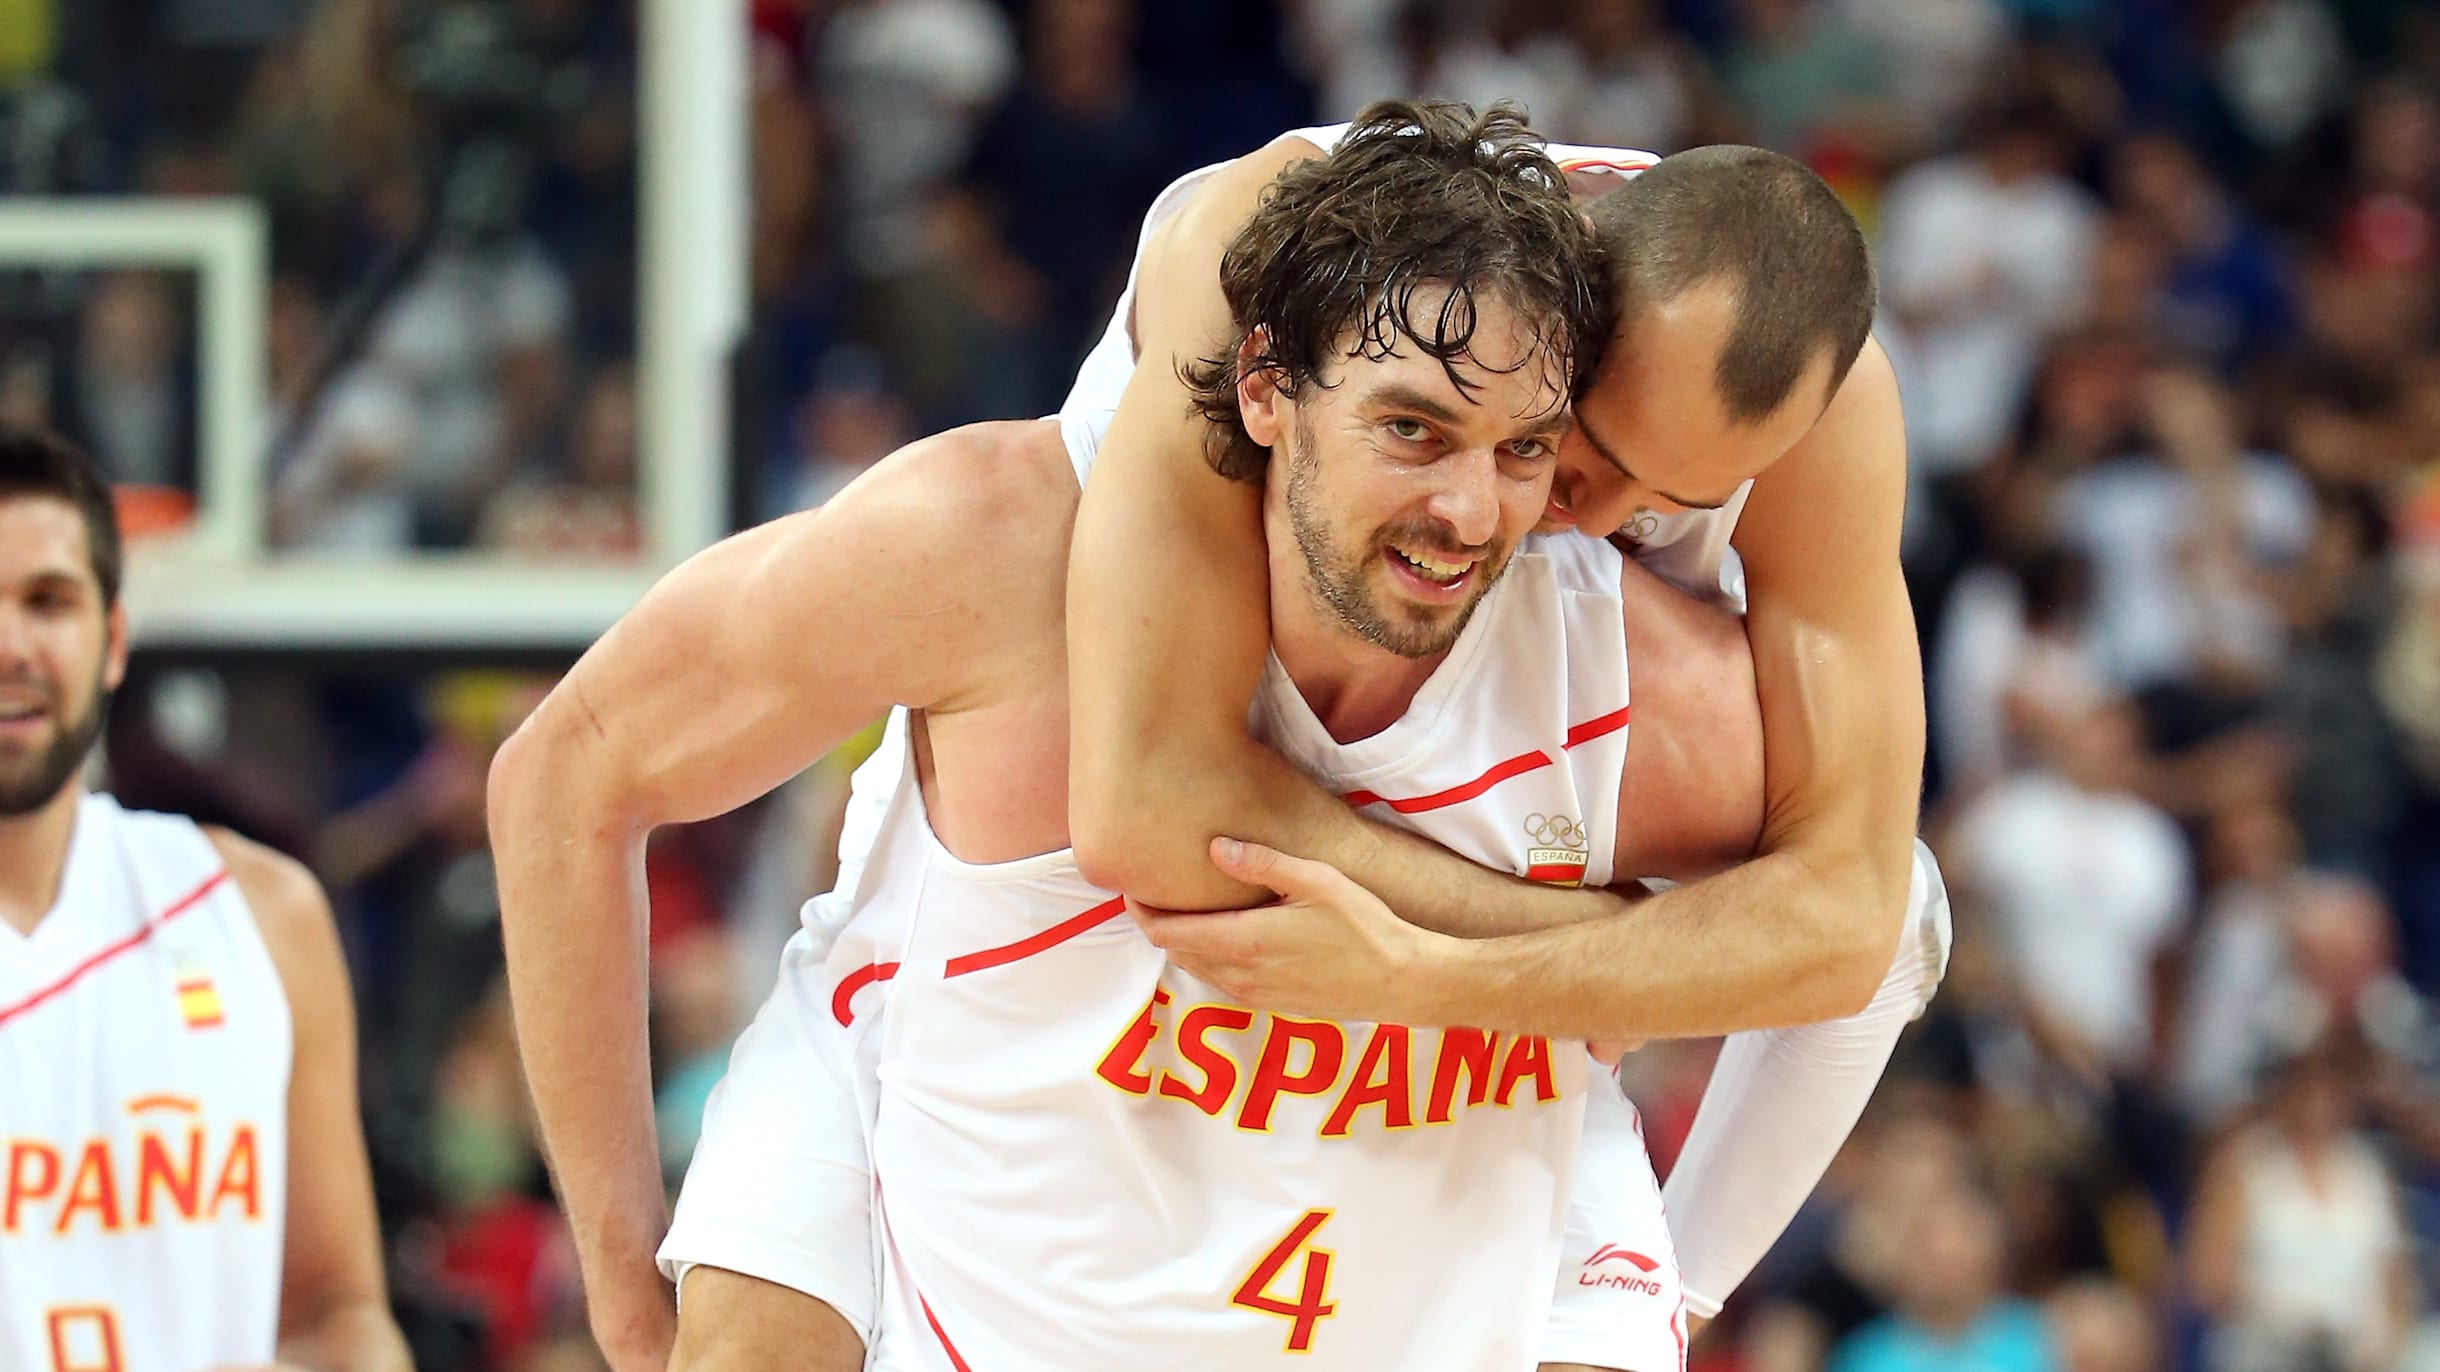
{"x": 1188, "y": 934}
{"x": 1292, "y": 877}
{"x": 1607, "y": 1052}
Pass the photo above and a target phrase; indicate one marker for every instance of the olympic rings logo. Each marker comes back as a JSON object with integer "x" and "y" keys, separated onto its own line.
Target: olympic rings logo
{"x": 1556, "y": 831}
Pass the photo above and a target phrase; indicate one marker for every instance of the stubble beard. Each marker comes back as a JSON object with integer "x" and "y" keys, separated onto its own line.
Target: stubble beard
{"x": 24, "y": 791}
{"x": 1340, "y": 578}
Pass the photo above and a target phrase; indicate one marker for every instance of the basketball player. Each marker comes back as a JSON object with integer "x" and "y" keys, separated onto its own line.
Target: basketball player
{"x": 183, "y": 1181}
{"x": 1103, "y": 1223}
{"x": 1740, "y": 411}
{"x": 579, "y": 1041}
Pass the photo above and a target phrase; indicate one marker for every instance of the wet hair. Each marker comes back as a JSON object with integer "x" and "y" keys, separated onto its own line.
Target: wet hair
{"x": 37, "y": 465}
{"x": 1775, "y": 234}
{"x": 1418, "y": 194}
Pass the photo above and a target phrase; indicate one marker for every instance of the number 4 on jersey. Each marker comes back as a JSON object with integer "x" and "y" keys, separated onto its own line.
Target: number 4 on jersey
{"x": 1311, "y": 1302}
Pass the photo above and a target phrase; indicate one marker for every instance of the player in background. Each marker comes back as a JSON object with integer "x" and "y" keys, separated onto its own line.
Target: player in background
{"x": 1740, "y": 401}
{"x": 183, "y": 1183}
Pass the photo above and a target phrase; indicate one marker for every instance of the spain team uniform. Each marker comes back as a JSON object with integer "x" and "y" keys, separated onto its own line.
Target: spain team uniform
{"x": 144, "y": 1058}
{"x": 1088, "y": 1159}
{"x": 1082, "y": 1157}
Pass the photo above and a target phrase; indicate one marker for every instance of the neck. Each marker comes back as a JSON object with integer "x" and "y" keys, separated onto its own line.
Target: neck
{"x": 1354, "y": 688}
{"x": 33, "y": 856}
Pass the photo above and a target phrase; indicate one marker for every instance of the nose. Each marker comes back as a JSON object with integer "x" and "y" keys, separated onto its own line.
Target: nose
{"x": 16, "y": 635}
{"x": 1468, "y": 499}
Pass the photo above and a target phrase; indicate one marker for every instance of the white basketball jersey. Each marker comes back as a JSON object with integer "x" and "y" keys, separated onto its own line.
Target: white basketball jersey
{"x": 1688, "y": 548}
{"x": 1087, "y": 1158}
{"x": 144, "y": 1058}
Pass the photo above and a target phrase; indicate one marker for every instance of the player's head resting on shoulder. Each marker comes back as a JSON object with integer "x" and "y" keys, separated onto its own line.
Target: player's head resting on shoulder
{"x": 62, "y": 634}
{"x": 1743, "y": 294}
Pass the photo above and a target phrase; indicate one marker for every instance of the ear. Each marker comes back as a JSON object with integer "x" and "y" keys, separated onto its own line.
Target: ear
{"x": 114, "y": 653}
{"x": 1260, "y": 405}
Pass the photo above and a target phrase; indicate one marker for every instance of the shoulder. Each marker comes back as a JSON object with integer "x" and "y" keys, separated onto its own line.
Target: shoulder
{"x": 1017, "y": 467}
{"x": 1008, "y": 485}
{"x": 287, "y": 901}
{"x": 1575, "y": 562}
{"x": 1841, "y": 491}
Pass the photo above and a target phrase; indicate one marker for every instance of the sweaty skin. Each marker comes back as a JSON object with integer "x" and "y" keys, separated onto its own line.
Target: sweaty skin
{"x": 1161, "y": 764}
{"x": 935, "y": 581}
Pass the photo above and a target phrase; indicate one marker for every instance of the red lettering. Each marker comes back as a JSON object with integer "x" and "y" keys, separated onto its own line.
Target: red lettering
{"x": 155, "y": 1167}
{"x": 1467, "y": 1051}
{"x": 1219, "y": 1071}
{"x": 100, "y": 1353}
{"x": 1528, "y": 1056}
{"x": 1312, "y": 1302}
{"x": 22, "y": 1187}
{"x": 1119, "y": 1066}
{"x": 1272, "y": 1079}
{"x": 1381, "y": 1078}
{"x": 94, "y": 1189}
{"x": 237, "y": 1176}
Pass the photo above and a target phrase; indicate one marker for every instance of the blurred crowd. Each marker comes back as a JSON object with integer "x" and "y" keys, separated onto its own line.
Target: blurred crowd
{"x": 450, "y": 189}
{"x": 2162, "y": 282}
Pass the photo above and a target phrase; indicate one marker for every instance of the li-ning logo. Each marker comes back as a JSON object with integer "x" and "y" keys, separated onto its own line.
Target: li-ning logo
{"x": 1639, "y": 1280}
{"x": 1558, "y": 853}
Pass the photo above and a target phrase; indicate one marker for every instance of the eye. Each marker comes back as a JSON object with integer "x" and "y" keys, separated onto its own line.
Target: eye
{"x": 1407, "y": 430}
{"x": 1531, "y": 449}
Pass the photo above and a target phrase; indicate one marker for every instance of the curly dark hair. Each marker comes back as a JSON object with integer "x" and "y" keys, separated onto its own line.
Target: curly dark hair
{"x": 1418, "y": 193}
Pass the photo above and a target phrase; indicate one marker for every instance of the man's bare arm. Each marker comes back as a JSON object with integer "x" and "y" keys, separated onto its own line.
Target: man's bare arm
{"x": 1168, "y": 625}
{"x": 334, "y": 1306}
{"x": 740, "y": 668}
{"x": 1805, "y": 931}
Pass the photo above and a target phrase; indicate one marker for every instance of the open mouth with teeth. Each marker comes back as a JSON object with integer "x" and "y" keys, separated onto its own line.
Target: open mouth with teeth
{"x": 1434, "y": 578}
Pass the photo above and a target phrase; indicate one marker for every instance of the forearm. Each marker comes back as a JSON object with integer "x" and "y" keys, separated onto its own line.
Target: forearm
{"x": 573, "y": 919}
{"x": 354, "y": 1335}
{"x": 1775, "y": 942}
{"x": 1780, "y": 1106}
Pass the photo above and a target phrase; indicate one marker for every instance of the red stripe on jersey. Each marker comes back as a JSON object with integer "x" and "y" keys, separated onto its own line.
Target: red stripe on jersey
{"x": 856, "y": 981}
{"x": 955, "y": 1360}
{"x": 1594, "y": 728}
{"x": 77, "y": 973}
{"x": 1036, "y": 943}
{"x": 1516, "y": 766}
{"x": 1456, "y": 795}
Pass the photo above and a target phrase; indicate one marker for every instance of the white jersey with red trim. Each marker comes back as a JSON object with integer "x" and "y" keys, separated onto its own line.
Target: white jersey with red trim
{"x": 144, "y": 1056}
{"x": 1687, "y": 548}
{"x": 1087, "y": 1158}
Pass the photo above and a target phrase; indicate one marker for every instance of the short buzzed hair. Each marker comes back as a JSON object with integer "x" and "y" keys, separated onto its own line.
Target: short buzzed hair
{"x": 1775, "y": 234}
{"x": 37, "y": 465}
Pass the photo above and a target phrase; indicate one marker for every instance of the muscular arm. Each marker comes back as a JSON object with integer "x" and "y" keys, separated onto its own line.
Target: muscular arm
{"x": 740, "y": 668}
{"x": 334, "y": 1308}
{"x": 1168, "y": 626}
{"x": 1806, "y": 930}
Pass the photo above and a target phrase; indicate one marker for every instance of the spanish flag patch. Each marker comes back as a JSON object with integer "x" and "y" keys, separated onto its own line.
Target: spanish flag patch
{"x": 198, "y": 1000}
